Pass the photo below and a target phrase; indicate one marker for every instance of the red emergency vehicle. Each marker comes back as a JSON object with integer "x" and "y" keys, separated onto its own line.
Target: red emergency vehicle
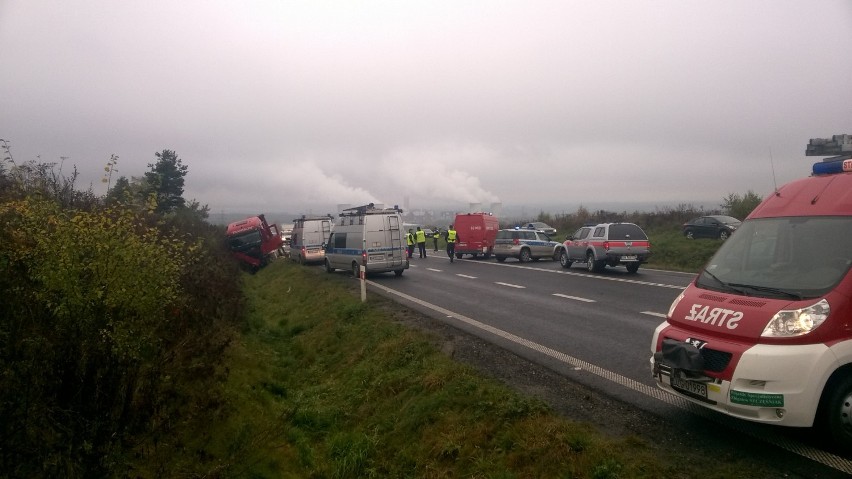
{"x": 254, "y": 242}
{"x": 476, "y": 233}
{"x": 764, "y": 332}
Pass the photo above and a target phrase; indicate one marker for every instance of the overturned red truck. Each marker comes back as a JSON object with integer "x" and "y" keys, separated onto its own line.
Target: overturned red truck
{"x": 254, "y": 242}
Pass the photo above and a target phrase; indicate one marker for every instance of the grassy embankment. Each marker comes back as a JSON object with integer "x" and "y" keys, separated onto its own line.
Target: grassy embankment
{"x": 321, "y": 385}
{"x": 672, "y": 251}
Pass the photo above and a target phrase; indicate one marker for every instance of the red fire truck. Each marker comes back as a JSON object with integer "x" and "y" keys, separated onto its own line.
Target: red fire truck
{"x": 477, "y": 232}
{"x": 254, "y": 242}
{"x": 764, "y": 332}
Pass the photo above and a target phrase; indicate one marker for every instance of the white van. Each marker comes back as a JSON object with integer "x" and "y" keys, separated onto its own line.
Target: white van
{"x": 308, "y": 236}
{"x": 370, "y": 234}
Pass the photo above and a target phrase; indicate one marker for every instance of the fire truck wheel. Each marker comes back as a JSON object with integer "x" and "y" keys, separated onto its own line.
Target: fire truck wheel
{"x": 328, "y": 267}
{"x": 458, "y": 255}
{"x": 836, "y": 412}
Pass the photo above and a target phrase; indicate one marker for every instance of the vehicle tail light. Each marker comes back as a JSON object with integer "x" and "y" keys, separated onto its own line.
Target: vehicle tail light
{"x": 606, "y": 245}
{"x": 516, "y": 241}
{"x": 364, "y": 257}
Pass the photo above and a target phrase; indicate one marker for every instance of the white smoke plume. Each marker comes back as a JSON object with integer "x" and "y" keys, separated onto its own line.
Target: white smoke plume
{"x": 443, "y": 174}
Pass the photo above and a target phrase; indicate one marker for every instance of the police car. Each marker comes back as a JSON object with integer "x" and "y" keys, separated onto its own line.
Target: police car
{"x": 525, "y": 245}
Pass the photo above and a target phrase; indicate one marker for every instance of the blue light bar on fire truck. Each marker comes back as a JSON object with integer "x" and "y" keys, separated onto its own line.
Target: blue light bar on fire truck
{"x": 832, "y": 166}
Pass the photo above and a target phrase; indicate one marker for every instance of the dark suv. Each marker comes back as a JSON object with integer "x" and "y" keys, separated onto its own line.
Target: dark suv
{"x": 607, "y": 244}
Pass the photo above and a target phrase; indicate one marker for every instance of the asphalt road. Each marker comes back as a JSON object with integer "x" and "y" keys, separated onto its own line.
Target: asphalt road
{"x": 594, "y": 328}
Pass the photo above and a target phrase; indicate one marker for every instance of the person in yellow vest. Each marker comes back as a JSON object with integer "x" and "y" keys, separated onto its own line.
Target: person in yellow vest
{"x": 435, "y": 236}
{"x": 452, "y": 237}
{"x": 421, "y": 241}
{"x": 409, "y": 241}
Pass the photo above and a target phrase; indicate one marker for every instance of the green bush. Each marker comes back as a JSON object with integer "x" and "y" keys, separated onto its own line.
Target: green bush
{"x": 107, "y": 331}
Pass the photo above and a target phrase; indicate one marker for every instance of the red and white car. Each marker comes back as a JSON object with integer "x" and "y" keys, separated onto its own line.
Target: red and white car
{"x": 607, "y": 244}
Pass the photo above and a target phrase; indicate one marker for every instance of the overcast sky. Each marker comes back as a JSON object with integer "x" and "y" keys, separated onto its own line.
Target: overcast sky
{"x": 293, "y": 106}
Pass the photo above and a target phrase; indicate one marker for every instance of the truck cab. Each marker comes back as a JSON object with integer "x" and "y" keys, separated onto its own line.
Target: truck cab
{"x": 254, "y": 242}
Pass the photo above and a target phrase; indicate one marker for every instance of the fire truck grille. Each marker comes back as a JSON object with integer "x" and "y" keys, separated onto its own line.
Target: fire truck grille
{"x": 714, "y": 360}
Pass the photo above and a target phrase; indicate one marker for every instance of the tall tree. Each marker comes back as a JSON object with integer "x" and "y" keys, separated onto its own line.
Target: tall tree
{"x": 166, "y": 180}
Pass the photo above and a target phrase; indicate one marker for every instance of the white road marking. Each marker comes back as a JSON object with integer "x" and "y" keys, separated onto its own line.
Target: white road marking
{"x": 465, "y": 276}
{"x": 435, "y": 270}
{"x": 510, "y": 285}
{"x": 593, "y": 276}
{"x": 651, "y": 313}
{"x": 577, "y": 298}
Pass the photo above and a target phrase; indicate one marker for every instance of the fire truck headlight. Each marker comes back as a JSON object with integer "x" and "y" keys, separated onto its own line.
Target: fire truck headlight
{"x": 796, "y": 322}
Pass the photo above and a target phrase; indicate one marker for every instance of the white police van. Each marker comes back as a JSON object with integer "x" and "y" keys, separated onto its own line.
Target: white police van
{"x": 308, "y": 236}
{"x": 764, "y": 332}
{"x": 370, "y": 236}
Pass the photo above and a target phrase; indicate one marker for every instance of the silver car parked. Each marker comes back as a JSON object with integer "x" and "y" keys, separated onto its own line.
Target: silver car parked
{"x": 525, "y": 245}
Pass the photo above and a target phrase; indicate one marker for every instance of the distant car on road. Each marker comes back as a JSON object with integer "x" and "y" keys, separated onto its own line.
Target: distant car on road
{"x": 543, "y": 227}
{"x": 711, "y": 226}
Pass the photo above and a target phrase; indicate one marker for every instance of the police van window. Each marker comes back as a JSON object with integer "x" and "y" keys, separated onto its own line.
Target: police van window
{"x": 339, "y": 240}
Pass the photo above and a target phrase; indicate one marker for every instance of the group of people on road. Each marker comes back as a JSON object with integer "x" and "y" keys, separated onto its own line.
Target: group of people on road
{"x": 418, "y": 238}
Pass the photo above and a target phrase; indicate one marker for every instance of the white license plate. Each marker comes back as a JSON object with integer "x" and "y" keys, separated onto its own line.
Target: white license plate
{"x": 377, "y": 257}
{"x": 687, "y": 386}
{"x": 632, "y": 257}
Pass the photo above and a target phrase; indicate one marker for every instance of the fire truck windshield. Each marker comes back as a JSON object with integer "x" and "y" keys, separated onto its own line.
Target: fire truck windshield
{"x": 786, "y": 257}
